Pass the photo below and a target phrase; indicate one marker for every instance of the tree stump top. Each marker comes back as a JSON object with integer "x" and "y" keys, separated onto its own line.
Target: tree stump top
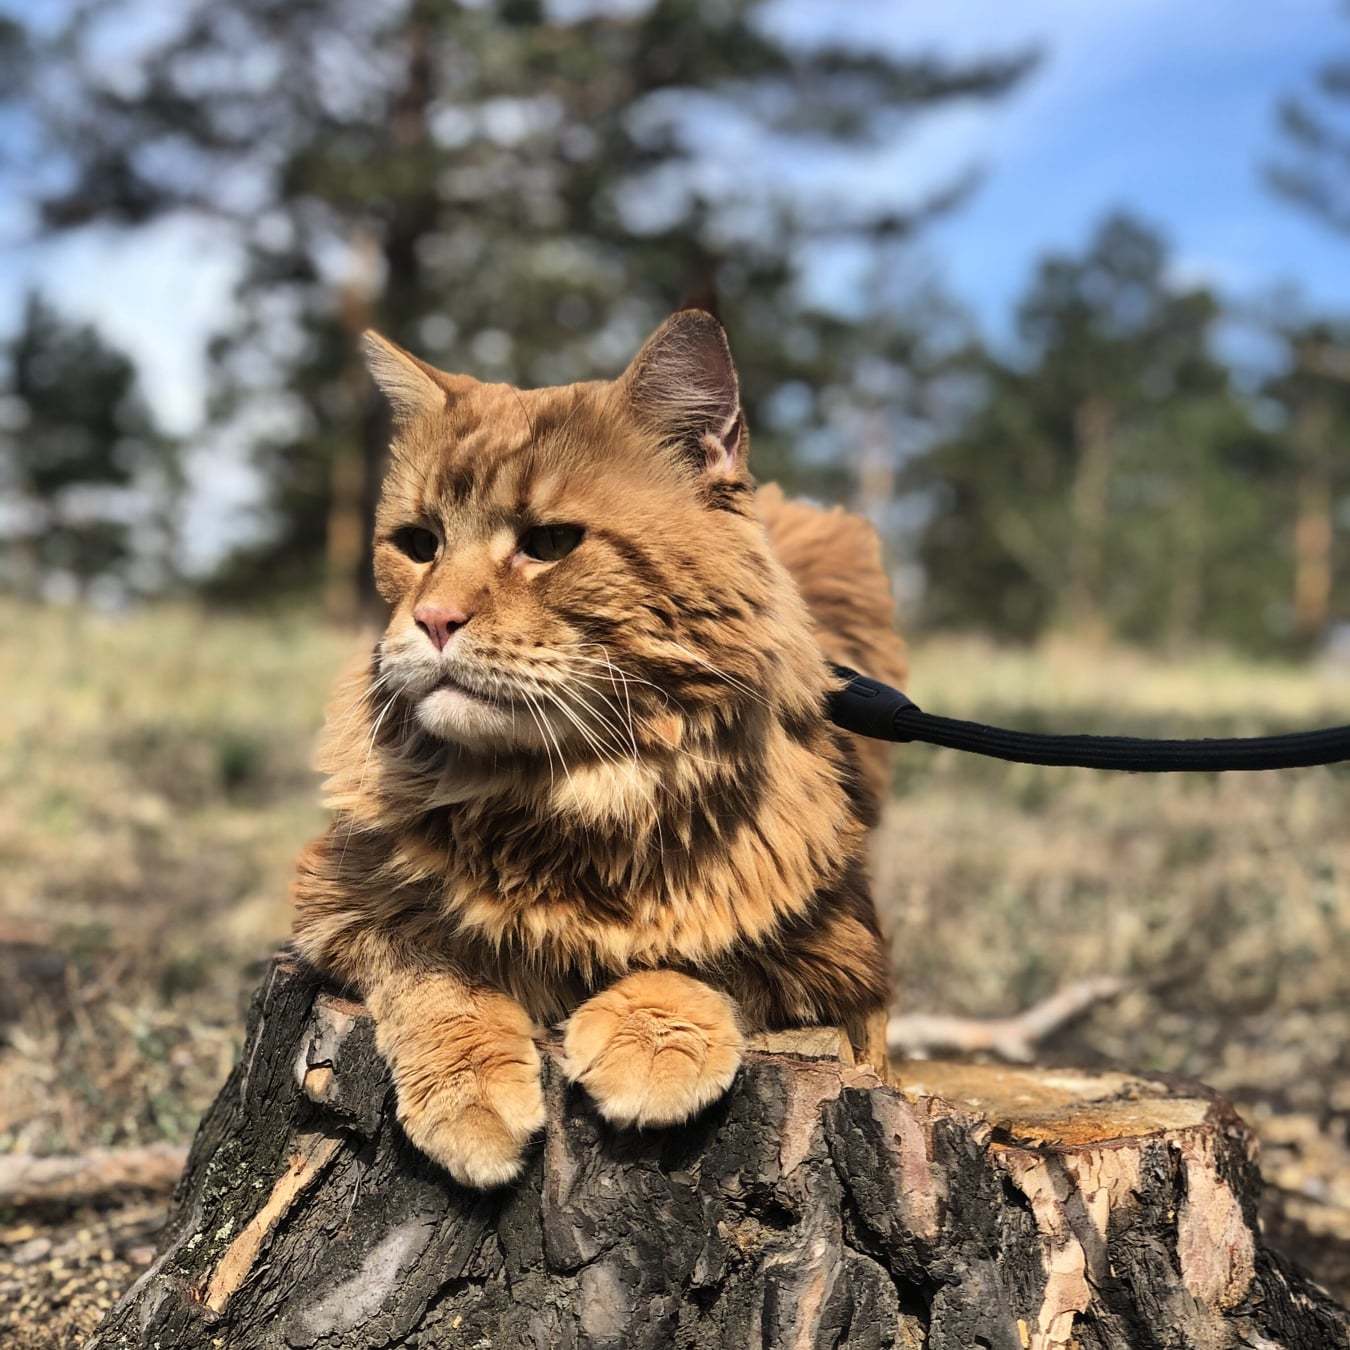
{"x": 1067, "y": 1109}
{"x": 969, "y": 1206}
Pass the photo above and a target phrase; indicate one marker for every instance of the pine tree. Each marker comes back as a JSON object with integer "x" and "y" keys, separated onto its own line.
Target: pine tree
{"x": 1312, "y": 394}
{"x": 1312, "y": 169}
{"x": 1109, "y": 481}
{"x": 1312, "y": 172}
{"x": 89, "y": 479}
{"x": 502, "y": 189}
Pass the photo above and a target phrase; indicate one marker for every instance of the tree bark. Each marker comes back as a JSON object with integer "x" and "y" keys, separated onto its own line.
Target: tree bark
{"x": 347, "y": 536}
{"x": 1089, "y": 509}
{"x": 973, "y": 1206}
{"x": 1315, "y": 523}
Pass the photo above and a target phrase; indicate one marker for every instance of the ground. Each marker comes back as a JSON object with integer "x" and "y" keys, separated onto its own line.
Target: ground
{"x": 154, "y": 788}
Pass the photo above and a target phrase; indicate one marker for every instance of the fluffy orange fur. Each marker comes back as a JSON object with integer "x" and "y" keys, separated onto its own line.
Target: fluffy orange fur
{"x": 604, "y": 790}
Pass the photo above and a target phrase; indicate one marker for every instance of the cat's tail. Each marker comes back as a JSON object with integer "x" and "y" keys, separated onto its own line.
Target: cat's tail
{"x": 835, "y": 559}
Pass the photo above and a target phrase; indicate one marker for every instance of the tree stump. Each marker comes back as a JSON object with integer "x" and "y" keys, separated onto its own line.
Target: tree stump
{"x": 814, "y": 1206}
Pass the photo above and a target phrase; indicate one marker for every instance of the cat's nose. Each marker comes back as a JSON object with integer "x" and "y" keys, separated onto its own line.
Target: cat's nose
{"x": 440, "y": 622}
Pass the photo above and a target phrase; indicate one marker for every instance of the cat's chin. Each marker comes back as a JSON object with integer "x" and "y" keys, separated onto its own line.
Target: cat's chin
{"x": 456, "y": 716}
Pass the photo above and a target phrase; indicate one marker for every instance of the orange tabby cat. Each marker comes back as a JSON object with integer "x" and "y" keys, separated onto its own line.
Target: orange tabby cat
{"x": 586, "y": 773}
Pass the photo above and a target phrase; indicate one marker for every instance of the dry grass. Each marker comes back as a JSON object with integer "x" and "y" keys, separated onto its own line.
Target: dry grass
{"x": 1223, "y": 899}
{"x": 1226, "y": 898}
{"x": 154, "y": 788}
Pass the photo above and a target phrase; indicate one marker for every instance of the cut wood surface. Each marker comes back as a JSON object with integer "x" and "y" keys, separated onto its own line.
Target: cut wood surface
{"x": 969, "y": 1206}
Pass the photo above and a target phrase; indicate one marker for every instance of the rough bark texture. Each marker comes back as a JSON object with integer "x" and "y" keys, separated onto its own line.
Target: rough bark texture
{"x": 814, "y": 1207}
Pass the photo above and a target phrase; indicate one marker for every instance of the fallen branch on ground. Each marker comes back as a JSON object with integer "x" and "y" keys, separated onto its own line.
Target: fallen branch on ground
{"x": 1012, "y": 1038}
{"x": 26, "y": 1179}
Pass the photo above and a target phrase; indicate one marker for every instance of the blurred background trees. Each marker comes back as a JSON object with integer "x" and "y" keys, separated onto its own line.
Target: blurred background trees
{"x": 1109, "y": 481}
{"x": 519, "y": 198}
{"x": 1312, "y": 169}
{"x": 521, "y": 190}
{"x": 89, "y": 481}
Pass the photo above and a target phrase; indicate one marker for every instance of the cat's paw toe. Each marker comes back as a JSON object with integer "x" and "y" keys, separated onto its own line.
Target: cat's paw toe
{"x": 476, "y": 1146}
{"x": 477, "y": 1122}
{"x": 654, "y": 1049}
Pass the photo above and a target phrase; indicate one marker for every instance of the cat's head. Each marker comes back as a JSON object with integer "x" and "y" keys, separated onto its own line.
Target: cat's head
{"x": 576, "y": 569}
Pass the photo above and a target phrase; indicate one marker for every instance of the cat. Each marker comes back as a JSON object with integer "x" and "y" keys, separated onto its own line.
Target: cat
{"x": 586, "y": 775}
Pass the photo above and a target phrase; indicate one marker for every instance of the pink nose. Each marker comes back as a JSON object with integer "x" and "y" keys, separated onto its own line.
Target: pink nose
{"x": 439, "y": 622}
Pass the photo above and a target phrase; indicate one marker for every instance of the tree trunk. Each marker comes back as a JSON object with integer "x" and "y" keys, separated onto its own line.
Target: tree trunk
{"x": 1089, "y": 509}
{"x": 1317, "y": 453}
{"x": 1314, "y": 530}
{"x": 1011, "y": 1209}
{"x": 1314, "y": 524}
{"x": 347, "y": 537}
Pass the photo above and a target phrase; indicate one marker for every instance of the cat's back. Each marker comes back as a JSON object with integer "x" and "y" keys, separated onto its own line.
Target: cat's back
{"x": 835, "y": 558}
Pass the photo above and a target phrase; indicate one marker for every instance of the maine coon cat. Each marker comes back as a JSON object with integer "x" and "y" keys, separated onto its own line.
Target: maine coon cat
{"x": 586, "y": 777}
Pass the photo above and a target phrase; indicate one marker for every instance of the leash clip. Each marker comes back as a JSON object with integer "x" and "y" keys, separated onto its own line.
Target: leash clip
{"x": 868, "y": 707}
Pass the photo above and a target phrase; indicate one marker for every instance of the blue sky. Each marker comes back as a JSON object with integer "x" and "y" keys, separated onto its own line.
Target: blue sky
{"x": 1162, "y": 106}
{"x": 1166, "y": 107}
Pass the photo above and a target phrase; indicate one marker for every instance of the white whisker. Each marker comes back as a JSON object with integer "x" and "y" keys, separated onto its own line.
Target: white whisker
{"x": 722, "y": 675}
{"x": 543, "y": 735}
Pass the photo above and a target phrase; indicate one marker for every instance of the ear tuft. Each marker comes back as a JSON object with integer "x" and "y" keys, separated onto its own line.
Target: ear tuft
{"x": 410, "y": 385}
{"x": 683, "y": 385}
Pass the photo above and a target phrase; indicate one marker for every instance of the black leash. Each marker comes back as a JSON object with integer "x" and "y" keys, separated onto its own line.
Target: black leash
{"x": 873, "y": 709}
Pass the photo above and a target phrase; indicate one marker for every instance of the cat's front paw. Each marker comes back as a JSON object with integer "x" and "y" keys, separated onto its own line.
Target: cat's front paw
{"x": 653, "y": 1049}
{"x": 469, "y": 1094}
{"x": 480, "y": 1142}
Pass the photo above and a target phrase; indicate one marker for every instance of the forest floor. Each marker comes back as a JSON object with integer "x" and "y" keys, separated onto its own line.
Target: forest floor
{"x": 154, "y": 788}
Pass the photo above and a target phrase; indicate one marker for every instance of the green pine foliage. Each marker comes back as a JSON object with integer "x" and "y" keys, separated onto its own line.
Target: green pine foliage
{"x": 1312, "y": 168}
{"x": 89, "y": 480}
{"x": 1110, "y": 479}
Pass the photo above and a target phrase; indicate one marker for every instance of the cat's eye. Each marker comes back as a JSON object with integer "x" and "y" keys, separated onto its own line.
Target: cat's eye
{"x": 548, "y": 543}
{"x": 419, "y": 543}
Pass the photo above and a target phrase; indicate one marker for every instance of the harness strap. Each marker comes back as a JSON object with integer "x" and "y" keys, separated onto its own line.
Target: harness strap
{"x": 870, "y": 708}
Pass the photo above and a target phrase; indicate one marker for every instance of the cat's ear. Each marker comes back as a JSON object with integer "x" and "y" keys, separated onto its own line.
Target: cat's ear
{"x": 683, "y": 386}
{"x": 413, "y": 388}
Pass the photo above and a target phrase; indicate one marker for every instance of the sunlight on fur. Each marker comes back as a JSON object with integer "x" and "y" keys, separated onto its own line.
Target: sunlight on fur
{"x": 585, "y": 775}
